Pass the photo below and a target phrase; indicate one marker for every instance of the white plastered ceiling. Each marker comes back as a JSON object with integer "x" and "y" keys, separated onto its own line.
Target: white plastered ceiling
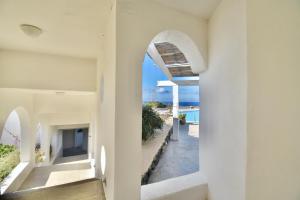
{"x": 199, "y": 8}
{"x": 70, "y": 27}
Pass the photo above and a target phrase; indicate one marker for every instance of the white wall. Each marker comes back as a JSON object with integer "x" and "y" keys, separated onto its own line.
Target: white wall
{"x": 56, "y": 143}
{"x": 52, "y": 103}
{"x": 273, "y": 100}
{"x": 106, "y": 105}
{"x": 223, "y": 104}
{"x": 42, "y": 71}
{"x": 190, "y": 187}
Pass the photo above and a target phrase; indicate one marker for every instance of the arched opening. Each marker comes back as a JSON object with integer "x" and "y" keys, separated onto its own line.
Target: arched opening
{"x": 11, "y": 133}
{"x": 14, "y": 141}
{"x": 171, "y": 107}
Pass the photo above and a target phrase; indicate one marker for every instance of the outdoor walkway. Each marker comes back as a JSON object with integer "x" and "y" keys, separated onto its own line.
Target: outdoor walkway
{"x": 151, "y": 147}
{"x": 66, "y": 170}
{"x": 180, "y": 157}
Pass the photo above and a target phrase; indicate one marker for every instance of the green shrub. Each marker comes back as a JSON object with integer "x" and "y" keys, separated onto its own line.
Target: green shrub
{"x": 9, "y": 159}
{"x": 181, "y": 116}
{"x": 156, "y": 104}
{"x": 151, "y": 121}
{"x": 6, "y": 149}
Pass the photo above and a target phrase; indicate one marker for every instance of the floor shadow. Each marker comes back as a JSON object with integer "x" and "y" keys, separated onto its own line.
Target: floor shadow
{"x": 58, "y": 174}
{"x": 74, "y": 151}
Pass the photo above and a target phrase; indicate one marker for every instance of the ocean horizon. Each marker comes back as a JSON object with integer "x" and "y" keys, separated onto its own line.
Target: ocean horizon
{"x": 182, "y": 103}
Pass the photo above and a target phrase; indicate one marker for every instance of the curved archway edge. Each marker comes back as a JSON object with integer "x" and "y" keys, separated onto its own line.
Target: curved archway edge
{"x": 25, "y": 144}
{"x": 186, "y": 45}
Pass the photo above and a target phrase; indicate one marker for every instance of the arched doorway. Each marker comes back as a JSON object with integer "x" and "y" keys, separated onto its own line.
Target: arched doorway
{"x": 176, "y": 62}
{"x": 11, "y": 133}
{"x": 15, "y": 141}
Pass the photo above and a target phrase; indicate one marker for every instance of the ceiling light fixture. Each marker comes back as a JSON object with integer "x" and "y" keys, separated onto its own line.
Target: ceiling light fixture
{"x": 31, "y": 30}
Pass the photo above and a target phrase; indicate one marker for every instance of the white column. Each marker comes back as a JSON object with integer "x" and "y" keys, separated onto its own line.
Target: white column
{"x": 175, "y": 134}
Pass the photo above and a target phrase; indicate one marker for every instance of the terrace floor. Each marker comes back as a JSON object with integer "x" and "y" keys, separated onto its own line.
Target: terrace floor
{"x": 180, "y": 157}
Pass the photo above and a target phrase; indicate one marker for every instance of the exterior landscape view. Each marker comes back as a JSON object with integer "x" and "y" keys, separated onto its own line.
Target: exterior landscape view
{"x": 164, "y": 156}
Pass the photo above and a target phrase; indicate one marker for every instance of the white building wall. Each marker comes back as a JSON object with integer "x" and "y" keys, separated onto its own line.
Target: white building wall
{"x": 56, "y": 143}
{"x": 273, "y": 100}
{"x": 29, "y": 70}
{"x": 223, "y": 104}
{"x": 106, "y": 105}
{"x": 68, "y": 103}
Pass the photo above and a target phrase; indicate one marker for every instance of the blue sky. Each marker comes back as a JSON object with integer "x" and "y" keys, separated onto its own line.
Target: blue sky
{"x": 151, "y": 74}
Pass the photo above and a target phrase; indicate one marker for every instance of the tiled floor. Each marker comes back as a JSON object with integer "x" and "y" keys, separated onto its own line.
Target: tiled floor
{"x": 66, "y": 170}
{"x": 84, "y": 190}
{"x": 180, "y": 157}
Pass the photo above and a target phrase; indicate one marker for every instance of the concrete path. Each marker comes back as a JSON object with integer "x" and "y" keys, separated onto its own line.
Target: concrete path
{"x": 180, "y": 157}
{"x": 151, "y": 146}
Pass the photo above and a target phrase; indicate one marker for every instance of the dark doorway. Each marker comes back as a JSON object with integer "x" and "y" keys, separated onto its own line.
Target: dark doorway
{"x": 75, "y": 142}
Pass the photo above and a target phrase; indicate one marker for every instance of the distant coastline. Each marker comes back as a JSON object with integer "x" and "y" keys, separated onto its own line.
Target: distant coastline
{"x": 183, "y": 104}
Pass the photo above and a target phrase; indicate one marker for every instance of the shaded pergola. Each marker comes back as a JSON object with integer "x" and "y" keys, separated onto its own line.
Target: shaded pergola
{"x": 171, "y": 60}
{"x": 174, "y": 60}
